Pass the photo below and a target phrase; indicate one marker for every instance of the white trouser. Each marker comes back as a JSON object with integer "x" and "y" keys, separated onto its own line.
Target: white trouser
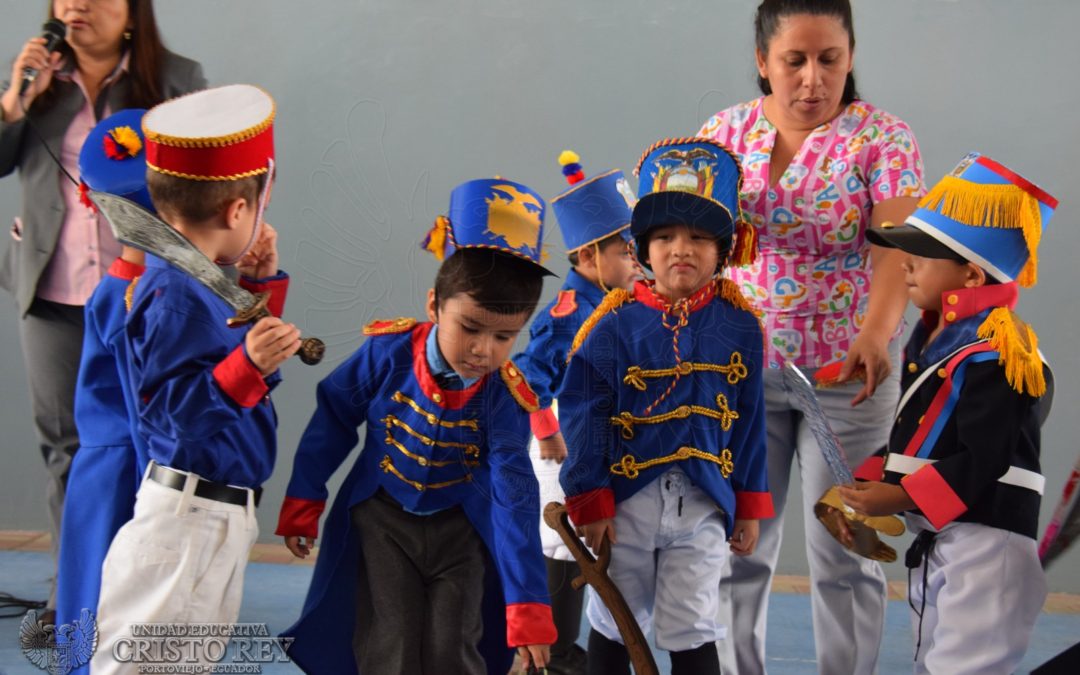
{"x": 547, "y": 475}
{"x": 667, "y": 564}
{"x": 984, "y": 590}
{"x": 179, "y": 560}
{"x": 848, "y": 593}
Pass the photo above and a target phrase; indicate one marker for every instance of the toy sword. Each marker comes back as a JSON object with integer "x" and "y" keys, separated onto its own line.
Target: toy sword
{"x": 594, "y": 573}
{"x": 135, "y": 226}
{"x": 863, "y": 528}
{"x": 1064, "y": 526}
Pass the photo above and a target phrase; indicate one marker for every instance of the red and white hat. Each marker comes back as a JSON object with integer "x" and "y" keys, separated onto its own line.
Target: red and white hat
{"x": 225, "y": 133}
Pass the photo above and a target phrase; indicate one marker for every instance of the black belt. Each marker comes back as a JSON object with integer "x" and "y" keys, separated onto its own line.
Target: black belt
{"x": 218, "y": 492}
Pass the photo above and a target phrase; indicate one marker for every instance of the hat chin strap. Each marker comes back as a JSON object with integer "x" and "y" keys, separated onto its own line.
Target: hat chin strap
{"x": 260, "y": 208}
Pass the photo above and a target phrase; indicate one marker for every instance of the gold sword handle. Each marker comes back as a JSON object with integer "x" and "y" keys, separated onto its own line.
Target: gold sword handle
{"x": 311, "y": 350}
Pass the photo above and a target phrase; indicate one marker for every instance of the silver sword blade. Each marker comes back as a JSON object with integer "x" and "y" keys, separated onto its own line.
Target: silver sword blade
{"x": 135, "y": 226}
{"x": 805, "y": 400}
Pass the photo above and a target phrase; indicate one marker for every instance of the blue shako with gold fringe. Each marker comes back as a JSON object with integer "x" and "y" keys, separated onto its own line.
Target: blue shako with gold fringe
{"x": 692, "y": 181}
{"x": 491, "y": 213}
{"x": 594, "y": 208}
{"x": 982, "y": 212}
{"x": 113, "y": 158}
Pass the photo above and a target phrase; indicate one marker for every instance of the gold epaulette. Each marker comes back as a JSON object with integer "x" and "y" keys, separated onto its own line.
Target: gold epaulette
{"x": 729, "y": 291}
{"x": 613, "y": 300}
{"x": 129, "y": 294}
{"x": 1018, "y": 347}
{"x": 519, "y": 388}
{"x": 389, "y": 326}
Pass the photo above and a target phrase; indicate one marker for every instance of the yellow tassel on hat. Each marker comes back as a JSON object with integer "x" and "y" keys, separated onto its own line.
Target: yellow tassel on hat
{"x": 568, "y": 157}
{"x": 1006, "y": 206}
{"x": 1018, "y": 346}
{"x": 746, "y": 244}
{"x": 127, "y": 138}
{"x": 435, "y": 242}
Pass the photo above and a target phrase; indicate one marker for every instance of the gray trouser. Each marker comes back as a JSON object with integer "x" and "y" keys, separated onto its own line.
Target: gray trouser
{"x": 848, "y": 592}
{"x": 52, "y": 338}
{"x": 420, "y": 590}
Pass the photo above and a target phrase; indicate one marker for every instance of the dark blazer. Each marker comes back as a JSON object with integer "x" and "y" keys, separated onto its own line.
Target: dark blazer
{"x": 35, "y": 233}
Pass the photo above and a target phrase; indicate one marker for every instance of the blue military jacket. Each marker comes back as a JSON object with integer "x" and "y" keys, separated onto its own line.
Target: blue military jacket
{"x": 550, "y": 337}
{"x": 710, "y": 418}
{"x": 430, "y": 448}
{"x": 203, "y": 406}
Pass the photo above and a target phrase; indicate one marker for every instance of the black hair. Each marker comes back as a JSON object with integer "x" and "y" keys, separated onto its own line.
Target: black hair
{"x": 497, "y": 281}
{"x": 767, "y": 22}
{"x": 575, "y": 259}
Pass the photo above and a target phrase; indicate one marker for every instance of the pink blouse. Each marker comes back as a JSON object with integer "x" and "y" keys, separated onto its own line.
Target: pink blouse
{"x": 86, "y": 246}
{"x": 812, "y": 279}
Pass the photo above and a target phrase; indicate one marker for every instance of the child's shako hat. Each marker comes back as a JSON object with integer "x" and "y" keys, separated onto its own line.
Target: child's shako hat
{"x": 592, "y": 209}
{"x": 494, "y": 214}
{"x": 220, "y": 134}
{"x": 692, "y": 181}
{"x": 113, "y": 159}
{"x": 981, "y": 212}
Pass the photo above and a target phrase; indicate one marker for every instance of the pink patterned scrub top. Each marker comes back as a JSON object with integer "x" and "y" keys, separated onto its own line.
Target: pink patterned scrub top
{"x": 812, "y": 278}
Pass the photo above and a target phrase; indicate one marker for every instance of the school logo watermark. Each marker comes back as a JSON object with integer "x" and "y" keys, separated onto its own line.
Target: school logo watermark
{"x": 58, "y": 650}
{"x": 155, "y": 647}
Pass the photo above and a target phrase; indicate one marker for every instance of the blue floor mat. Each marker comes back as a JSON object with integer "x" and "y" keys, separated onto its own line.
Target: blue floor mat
{"x": 273, "y": 594}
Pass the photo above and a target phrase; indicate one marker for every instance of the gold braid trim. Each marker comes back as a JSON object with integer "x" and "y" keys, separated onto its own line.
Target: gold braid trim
{"x": 612, "y": 301}
{"x": 431, "y": 417}
{"x": 425, "y": 461}
{"x": 1018, "y": 346}
{"x": 389, "y": 326}
{"x": 519, "y": 387}
{"x": 735, "y": 370}
{"x": 392, "y": 420}
{"x": 626, "y": 421}
{"x": 388, "y": 467}
{"x": 129, "y": 293}
{"x": 629, "y": 467}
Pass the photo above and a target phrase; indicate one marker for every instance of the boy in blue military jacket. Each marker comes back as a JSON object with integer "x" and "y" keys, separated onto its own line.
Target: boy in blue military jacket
{"x": 201, "y": 387}
{"x": 442, "y": 488}
{"x": 594, "y": 218}
{"x": 664, "y": 412}
{"x": 963, "y": 457}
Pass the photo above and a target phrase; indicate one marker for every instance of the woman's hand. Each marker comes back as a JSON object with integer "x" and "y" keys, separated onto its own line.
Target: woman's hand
{"x": 869, "y": 351}
{"x": 33, "y": 55}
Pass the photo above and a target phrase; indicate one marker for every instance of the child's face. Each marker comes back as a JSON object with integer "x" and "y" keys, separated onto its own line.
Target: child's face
{"x": 928, "y": 278}
{"x": 683, "y": 260}
{"x": 472, "y": 339}
{"x": 616, "y": 265}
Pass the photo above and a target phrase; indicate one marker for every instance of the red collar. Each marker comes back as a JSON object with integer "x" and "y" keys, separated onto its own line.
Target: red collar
{"x": 965, "y": 302}
{"x": 646, "y": 294}
{"x": 122, "y": 269}
{"x": 452, "y": 399}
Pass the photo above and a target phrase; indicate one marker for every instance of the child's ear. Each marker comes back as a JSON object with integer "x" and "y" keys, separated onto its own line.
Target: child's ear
{"x": 976, "y": 276}
{"x": 432, "y": 306}
{"x": 587, "y": 257}
{"x": 234, "y": 212}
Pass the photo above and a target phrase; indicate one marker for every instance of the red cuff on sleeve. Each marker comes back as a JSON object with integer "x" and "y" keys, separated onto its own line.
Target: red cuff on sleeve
{"x": 544, "y": 424}
{"x": 589, "y": 507}
{"x": 300, "y": 517}
{"x": 529, "y": 623}
{"x": 754, "y": 505}
{"x": 240, "y": 379}
{"x": 872, "y": 469}
{"x": 934, "y": 497}
{"x": 277, "y": 287}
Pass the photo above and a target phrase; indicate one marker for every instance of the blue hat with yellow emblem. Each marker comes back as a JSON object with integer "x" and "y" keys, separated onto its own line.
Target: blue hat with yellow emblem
{"x": 981, "y": 212}
{"x": 113, "y": 159}
{"x": 491, "y": 213}
{"x": 593, "y": 209}
{"x": 692, "y": 181}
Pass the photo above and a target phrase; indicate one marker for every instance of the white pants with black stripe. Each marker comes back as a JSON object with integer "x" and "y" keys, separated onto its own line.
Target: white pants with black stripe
{"x": 180, "y": 559}
{"x": 984, "y": 590}
{"x": 667, "y": 564}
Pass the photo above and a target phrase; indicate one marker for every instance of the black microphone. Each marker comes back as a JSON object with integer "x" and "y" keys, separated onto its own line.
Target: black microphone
{"x": 53, "y": 31}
